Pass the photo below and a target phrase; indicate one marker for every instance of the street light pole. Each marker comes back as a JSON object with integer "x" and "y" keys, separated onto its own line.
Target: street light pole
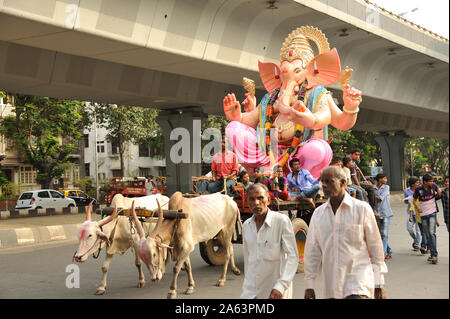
{"x": 412, "y": 161}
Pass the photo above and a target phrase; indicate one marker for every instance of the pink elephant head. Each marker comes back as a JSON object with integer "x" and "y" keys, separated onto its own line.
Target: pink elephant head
{"x": 299, "y": 64}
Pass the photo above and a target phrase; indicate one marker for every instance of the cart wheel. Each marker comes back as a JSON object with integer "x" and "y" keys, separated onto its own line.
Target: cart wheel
{"x": 214, "y": 253}
{"x": 203, "y": 253}
{"x": 300, "y": 229}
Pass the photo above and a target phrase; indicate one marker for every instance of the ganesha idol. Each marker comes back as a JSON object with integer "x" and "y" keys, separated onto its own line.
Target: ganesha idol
{"x": 291, "y": 120}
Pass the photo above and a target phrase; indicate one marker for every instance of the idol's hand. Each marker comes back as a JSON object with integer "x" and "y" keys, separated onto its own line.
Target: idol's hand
{"x": 249, "y": 103}
{"x": 352, "y": 98}
{"x": 232, "y": 107}
{"x": 305, "y": 118}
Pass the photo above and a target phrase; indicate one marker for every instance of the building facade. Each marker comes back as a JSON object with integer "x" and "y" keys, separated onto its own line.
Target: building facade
{"x": 102, "y": 159}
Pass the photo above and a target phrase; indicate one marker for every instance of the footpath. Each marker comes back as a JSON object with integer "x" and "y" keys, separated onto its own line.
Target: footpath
{"x": 18, "y": 229}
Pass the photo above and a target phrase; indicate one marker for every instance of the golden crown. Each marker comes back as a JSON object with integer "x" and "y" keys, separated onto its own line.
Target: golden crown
{"x": 296, "y": 45}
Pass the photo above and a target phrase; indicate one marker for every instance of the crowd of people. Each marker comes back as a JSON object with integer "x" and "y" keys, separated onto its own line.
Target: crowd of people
{"x": 362, "y": 206}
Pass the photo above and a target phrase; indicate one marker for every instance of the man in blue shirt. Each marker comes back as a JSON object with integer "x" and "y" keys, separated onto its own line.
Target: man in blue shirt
{"x": 382, "y": 196}
{"x": 301, "y": 184}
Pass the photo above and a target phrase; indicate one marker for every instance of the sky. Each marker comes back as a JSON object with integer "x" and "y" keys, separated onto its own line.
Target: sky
{"x": 431, "y": 14}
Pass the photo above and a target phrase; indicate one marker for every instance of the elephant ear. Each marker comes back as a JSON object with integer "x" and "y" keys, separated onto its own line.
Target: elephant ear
{"x": 270, "y": 75}
{"x": 324, "y": 69}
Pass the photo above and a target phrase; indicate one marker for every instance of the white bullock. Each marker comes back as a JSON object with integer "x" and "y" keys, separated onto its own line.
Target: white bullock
{"x": 116, "y": 232}
{"x": 207, "y": 216}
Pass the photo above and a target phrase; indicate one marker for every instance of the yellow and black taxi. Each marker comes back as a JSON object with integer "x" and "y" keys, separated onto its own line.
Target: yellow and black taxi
{"x": 79, "y": 196}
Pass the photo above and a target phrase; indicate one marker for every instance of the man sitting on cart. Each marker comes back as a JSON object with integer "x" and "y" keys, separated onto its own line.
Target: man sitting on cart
{"x": 278, "y": 185}
{"x": 224, "y": 167}
{"x": 301, "y": 183}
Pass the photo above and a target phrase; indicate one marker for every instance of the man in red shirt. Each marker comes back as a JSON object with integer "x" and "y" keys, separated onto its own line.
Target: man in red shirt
{"x": 224, "y": 166}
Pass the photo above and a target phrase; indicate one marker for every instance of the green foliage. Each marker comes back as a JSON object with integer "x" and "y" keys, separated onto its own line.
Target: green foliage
{"x": 46, "y": 131}
{"x": 427, "y": 152}
{"x": 345, "y": 141}
{"x": 86, "y": 185}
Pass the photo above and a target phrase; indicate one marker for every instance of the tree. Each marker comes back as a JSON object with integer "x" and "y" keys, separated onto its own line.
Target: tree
{"x": 128, "y": 124}
{"x": 345, "y": 141}
{"x": 427, "y": 152}
{"x": 45, "y": 130}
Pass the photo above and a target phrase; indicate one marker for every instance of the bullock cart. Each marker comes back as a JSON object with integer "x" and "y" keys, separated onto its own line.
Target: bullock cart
{"x": 299, "y": 212}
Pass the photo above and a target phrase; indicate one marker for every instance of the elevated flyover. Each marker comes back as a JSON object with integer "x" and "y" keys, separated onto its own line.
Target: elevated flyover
{"x": 172, "y": 54}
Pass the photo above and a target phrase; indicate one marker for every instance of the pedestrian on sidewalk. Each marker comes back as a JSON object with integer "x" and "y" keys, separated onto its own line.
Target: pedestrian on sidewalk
{"x": 445, "y": 202}
{"x": 412, "y": 220}
{"x": 382, "y": 196}
{"x": 343, "y": 237}
{"x": 270, "y": 251}
{"x": 426, "y": 206}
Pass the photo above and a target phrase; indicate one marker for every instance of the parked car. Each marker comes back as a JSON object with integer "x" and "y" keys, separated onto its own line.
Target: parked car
{"x": 43, "y": 198}
{"x": 80, "y": 197}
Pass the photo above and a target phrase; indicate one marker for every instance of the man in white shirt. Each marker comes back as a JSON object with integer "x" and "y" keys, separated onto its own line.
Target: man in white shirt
{"x": 270, "y": 251}
{"x": 149, "y": 184}
{"x": 343, "y": 236}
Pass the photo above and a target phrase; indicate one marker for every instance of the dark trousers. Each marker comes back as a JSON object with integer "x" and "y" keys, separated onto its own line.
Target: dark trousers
{"x": 370, "y": 194}
{"x": 380, "y": 224}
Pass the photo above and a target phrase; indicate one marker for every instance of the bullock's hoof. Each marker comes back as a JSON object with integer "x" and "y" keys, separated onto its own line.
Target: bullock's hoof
{"x": 189, "y": 291}
{"x": 220, "y": 283}
{"x": 172, "y": 294}
{"x": 236, "y": 271}
{"x": 100, "y": 291}
{"x": 141, "y": 284}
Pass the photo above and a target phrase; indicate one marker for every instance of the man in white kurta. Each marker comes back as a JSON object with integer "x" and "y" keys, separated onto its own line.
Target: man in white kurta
{"x": 343, "y": 236}
{"x": 270, "y": 251}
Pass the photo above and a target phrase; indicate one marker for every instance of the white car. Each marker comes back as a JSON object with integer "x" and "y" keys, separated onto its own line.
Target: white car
{"x": 43, "y": 198}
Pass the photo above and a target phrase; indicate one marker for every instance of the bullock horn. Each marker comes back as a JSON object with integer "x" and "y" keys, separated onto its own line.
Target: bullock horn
{"x": 137, "y": 222}
{"x": 88, "y": 212}
{"x": 108, "y": 219}
{"x": 160, "y": 220}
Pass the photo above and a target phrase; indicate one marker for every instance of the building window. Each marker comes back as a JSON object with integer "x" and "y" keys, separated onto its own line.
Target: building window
{"x": 27, "y": 175}
{"x": 144, "y": 150}
{"x": 156, "y": 151}
{"x": 115, "y": 147}
{"x": 87, "y": 169}
{"x": 100, "y": 146}
{"x": 86, "y": 140}
{"x": 144, "y": 171}
{"x": 117, "y": 173}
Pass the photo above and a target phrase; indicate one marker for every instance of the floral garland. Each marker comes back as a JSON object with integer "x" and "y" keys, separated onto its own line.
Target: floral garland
{"x": 269, "y": 120}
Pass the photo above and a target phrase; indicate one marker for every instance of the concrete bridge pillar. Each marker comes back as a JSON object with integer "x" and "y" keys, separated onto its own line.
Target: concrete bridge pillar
{"x": 392, "y": 153}
{"x": 182, "y": 139}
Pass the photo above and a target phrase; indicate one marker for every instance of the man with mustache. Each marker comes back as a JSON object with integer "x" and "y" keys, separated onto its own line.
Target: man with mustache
{"x": 270, "y": 251}
{"x": 343, "y": 236}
